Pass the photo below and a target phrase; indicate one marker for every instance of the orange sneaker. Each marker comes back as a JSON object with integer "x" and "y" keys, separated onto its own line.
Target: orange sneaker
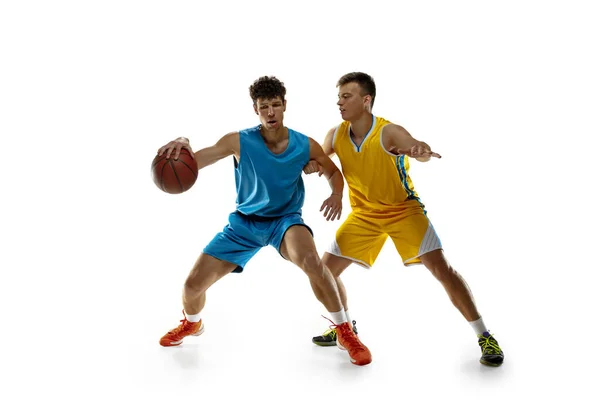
{"x": 186, "y": 328}
{"x": 347, "y": 340}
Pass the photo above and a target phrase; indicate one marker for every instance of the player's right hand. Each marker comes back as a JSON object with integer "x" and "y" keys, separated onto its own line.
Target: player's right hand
{"x": 420, "y": 150}
{"x": 311, "y": 167}
{"x": 177, "y": 145}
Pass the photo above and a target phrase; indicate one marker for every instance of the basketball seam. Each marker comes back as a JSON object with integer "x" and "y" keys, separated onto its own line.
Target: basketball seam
{"x": 162, "y": 172}
{"x": 172, "y": 164}
{"x": 156, "y": 165}
{"x": 190, "y": 168}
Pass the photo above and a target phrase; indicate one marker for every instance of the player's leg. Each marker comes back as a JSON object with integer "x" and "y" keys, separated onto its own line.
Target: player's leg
{"x": 454, "y": 284}
{"x": 228, "y": 252}
{"x": 359, "y": 239}
{"x": 299, "y": 247}
{"x": 206, "y": 271}
{"x": 418, "y": 243}
{"x": 462, "y": 298}
{"x": 336, "y": 265}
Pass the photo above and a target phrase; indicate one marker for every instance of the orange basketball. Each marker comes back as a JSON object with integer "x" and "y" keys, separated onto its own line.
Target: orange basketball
{"x": 175, "y": 176}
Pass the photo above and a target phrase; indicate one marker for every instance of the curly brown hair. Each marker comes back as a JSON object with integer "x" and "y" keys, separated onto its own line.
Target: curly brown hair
{"x": 267, "y": 87}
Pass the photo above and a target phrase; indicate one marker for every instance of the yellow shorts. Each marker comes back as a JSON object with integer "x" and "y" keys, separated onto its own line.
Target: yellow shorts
{"x": 363, "y": 234}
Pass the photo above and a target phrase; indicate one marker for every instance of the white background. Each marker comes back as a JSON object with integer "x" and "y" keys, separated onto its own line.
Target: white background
{"x": 93, "y": 255}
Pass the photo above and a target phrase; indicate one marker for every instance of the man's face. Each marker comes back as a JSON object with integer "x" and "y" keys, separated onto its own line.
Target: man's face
{"x": 351, "y": 102}
{"x": 270, "y": 112}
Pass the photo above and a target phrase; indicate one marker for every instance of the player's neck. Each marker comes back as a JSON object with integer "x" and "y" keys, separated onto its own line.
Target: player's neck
{"x": 362, "y": 125}
{"x": 274, "y": 136}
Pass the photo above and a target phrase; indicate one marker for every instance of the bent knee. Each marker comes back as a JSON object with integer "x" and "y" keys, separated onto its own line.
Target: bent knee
{"x": 311, "y": 264}
{"x": 192, "y": 285}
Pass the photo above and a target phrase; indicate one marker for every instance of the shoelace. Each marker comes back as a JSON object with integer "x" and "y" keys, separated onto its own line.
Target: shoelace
{"x": 489, "y": 345}
{"x": 181, "y": 326}
{"x": 352, "y": 339}
{"x": 329, "y": 332}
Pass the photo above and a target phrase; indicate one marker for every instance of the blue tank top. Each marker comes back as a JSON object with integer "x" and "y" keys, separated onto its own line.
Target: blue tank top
{"x": 268, "y": 184}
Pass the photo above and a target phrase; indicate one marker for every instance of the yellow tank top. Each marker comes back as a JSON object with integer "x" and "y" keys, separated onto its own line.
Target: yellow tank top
{"x": 377, "y": 180}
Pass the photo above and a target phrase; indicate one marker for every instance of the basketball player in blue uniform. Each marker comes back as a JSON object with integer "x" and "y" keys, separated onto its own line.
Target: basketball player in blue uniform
{"x": 268, "y": 163}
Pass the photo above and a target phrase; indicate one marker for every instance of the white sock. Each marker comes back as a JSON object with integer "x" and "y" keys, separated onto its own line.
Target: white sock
{"x": 339, "y": 317}
{"x": 478, "y": 326}
{"x": 348, "y": 317}
{"x": 193, "y": 318}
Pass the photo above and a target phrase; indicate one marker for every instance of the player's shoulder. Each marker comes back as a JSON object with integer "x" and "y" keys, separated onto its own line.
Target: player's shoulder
{"x": 234, "y": 135}
{"x": 312, "y": 142}
{"x": 333, "y": 129}
{"x": 231, "y": 140}
{"x": 383, "y": 121}
{"x": 302, "y": 137}
{"x": 387, "y": 125}
{"x": 248, "y": 131}
{"x": 295, "y": 131}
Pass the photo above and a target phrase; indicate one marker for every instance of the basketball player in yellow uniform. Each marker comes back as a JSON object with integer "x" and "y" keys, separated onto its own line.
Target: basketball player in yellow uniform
{"x": 374, "y": 155}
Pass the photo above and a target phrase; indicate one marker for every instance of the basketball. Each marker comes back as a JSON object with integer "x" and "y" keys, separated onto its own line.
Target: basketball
{"x": 175, "y": 176}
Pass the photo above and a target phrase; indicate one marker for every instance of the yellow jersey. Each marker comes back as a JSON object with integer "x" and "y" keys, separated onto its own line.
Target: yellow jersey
{"x": 377, "y": 180}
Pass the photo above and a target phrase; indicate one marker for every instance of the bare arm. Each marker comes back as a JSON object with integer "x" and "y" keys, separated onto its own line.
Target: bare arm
{"x": 333, "y": 204}
{"x": 313, "y": 166}
{"x": 226, "y": 146}
{"x": 328, "y": 168}
{"x": 398, "y": 141}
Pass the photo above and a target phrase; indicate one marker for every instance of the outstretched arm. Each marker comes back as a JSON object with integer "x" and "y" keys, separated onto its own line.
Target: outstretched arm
{"x": 333, "y": 204}
{"x": 226, "y": 146}
{"x": 398, "y": 141}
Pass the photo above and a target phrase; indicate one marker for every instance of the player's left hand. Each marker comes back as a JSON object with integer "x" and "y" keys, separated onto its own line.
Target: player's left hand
{"x": 420, "y": 150}
{"x": 333, "y": 207}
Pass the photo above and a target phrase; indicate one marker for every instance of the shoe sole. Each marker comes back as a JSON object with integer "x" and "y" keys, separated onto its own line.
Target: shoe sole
{"x": 173, "y": 344}
{"x": 327, "y": 344}
{"x": 489, "y": 364}
{"x": 324, "y": 344}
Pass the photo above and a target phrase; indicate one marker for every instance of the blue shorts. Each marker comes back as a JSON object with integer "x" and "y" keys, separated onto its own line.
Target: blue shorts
{"x": 245, "y": 235}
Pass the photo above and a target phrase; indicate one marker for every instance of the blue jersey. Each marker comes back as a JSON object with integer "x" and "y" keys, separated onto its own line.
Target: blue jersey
{"x": 268, "y": 184}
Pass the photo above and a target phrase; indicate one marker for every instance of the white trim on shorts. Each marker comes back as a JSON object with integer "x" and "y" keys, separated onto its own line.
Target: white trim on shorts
{"x": 334, "y": 249}
{"x": 430, "y": 242}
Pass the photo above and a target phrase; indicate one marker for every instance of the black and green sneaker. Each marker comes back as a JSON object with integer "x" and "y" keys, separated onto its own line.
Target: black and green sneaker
{"x": 329, "y": 337}
{"x": 491, "y": 353}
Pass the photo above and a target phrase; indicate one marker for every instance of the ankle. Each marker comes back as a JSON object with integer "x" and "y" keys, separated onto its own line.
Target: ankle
{"x": 192, "y": 317}
{"x": 339, "y": 317}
